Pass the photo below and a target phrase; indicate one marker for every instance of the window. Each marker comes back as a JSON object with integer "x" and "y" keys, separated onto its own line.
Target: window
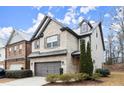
{"x": 96, "y": 47}
{"x": 10, "y": 49}
{"x": 15, "y": 48}
{"x": 37, "y": 44}
{"x": 52, "y": 42}
{"x": 20, "y": 48}
{"x": 84, "y": 27}
{"x": 96, "y": 34}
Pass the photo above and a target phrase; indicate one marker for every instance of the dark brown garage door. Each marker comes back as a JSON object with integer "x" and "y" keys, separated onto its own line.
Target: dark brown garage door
{"x": 45, "y": 68}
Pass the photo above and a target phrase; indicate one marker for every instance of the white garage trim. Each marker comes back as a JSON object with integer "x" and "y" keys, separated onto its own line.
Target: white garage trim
{"x": 1, "y": 66}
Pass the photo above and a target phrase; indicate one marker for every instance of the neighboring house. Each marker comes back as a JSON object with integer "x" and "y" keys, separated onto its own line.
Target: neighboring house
{"x": 55, "y": 46}
{"x": 2, "y": 53}
{"x": 17, "y": 49}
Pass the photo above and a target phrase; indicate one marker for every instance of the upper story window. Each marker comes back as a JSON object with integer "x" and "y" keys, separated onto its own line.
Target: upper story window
{"x": 52, "y": 41}
{"x": 37, "y": 44}
{"x": 15, "y": 48}
{"x": 20, "y": 48}
{"x": 10, "y": 49}
{"x": 84, "y": 27}
{"x": 96, "y": 34}
{"x": 9, "y": 52}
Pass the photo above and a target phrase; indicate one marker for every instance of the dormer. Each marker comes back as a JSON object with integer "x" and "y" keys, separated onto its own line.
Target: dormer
{"x": 85, "y": 26}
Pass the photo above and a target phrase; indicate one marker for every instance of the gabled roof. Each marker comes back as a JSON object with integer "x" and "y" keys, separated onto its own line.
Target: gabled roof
{"x": 84, "y": 20}
{"x": 44, "y": 23}
{"x": 23, "y": 35}
{"x": 46, "y": 20}
{"x": 39, "y": 27}
{"x": 2, "y": 43}
{"x": 100, "y": 26}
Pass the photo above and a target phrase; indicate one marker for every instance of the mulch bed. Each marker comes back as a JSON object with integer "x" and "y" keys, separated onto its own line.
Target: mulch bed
{"x": 81, "y": 83}
{"x": 4, "y": 80}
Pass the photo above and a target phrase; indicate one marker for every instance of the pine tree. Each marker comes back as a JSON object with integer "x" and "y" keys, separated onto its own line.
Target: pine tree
{"x": 86, "y": 64}
{"x": 82, "y": 56}
{"x": 89, "y": 60}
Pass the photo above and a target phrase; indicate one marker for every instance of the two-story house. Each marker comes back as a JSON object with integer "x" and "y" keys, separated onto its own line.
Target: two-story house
{"x": 17, "y": 49}
{"x": 2, "y": 53}
{"x": 55, "y": 46}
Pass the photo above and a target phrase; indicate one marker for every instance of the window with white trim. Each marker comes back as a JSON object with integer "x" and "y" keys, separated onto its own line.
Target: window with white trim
{"x": 10, "y": 49}
{"x": 20, "y": 46}
{"x": 15, "y": 48}
{"x": 84, "y": 27}
{"x": 37, "y": 44}
{"x": 52, "y": 41}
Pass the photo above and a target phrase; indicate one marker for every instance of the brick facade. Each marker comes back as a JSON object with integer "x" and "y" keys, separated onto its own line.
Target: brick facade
{"x": 2, "y": 63}
{"x": 17, "y": 54}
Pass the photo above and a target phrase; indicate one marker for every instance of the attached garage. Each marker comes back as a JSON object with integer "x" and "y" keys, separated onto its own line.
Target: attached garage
{"x": 1, "y": 66}
{"x": 45, "y": 68}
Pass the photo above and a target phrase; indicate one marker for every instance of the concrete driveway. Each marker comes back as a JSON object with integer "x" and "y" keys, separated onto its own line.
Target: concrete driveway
{"x": 32, "y": 81}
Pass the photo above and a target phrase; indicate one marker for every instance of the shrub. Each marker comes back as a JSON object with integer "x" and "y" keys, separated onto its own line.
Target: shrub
{"x": 18, "y": 73}
{"x": 65, "y": 78}
{"x": 52, "y": 78}
{"x": 78, "y": 76}
{"x": 95, "y": 76}
{"x": 103, "y": 72}
{"x": 107, "y": 71}
{"x": 86, "y": 76}
{"x": 2, "y": 73}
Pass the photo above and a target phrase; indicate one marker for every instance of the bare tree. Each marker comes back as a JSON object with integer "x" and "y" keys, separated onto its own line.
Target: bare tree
{"x": 110, "y": 48}
{"x": 118, "y": 27}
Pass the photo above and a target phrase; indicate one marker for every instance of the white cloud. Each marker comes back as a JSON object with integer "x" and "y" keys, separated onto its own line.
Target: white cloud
{"x": 37, "y": 7}
{"x": 80, "y": 19}
{"x": 105, "y": 40}
{"x": 50, "y": 7}
{"x": 70, "y": 16}
{"x": 115, "y": 38}
{"x": 50, "y": 14}
{"x": 5, "y": 32}
{"x": 92, "y": 21}
{"x": 107, "y": 15}
{"x": 35, "y": 22}
{"x": 86, "y": 9}
{"x": 116, "y": 27}
{"x": 67, "y": 20}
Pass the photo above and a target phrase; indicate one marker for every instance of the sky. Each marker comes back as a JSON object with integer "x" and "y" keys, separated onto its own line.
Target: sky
{"x": 27, "y": 18}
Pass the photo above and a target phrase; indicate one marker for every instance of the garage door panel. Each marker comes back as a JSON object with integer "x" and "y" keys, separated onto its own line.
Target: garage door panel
{"x": 45, "y": 68}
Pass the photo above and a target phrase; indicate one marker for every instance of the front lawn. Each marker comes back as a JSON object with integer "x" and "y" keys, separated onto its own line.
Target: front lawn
{"x": 115, "y": 79}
